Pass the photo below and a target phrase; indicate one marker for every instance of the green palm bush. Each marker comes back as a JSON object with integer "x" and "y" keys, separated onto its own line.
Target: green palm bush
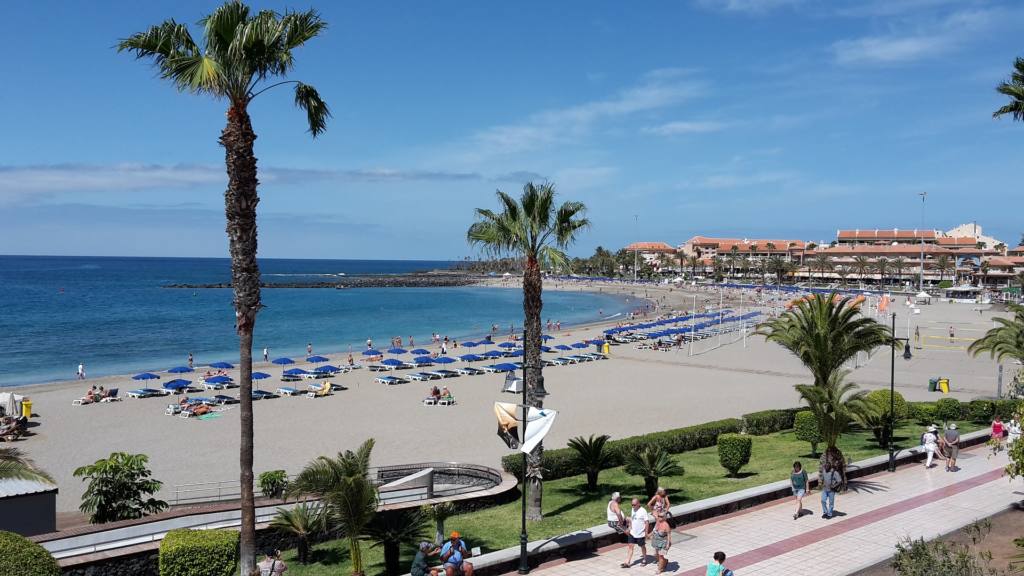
{"x": 1005, "y": 341}
{"x": 652, "y": 463}
{"x": 537, "y": 231}
{"x": 14, "y": 465}
{"x": 303, "y": 522}
{"x": 391, "y": 530}
{"x": 836, "y": 406}
{"x": 324, "y": 474}
{"x": 592, "y": 456}
{"x": 439, "y": 513}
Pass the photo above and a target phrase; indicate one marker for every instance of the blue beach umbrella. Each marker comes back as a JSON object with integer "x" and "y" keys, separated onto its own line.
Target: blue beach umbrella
{"x": 218, "y": 380}
{"x": 177, "y": 384}
{"x": 507, "y": 345}
{"x": 179, "y": 370}
{"x": 470, "y": 358}
{"x": 317, "y": 359}
{"x": 391, "y": 362}
{"x": 470, "y": 344}
{"x": 595, "y": 341}
{"x": 371, "y": 352}
{"x": 222, "y": 365}
{"x": 443, "y": 360}
{"x": 146, "y": 376}
{"x": 327, "y": 368}
{"x": 545, "y": 348}
{"x": 563, "y": 347}
{"x": 494, "y": 354}
{"x": 257, "y": 376}
{"x": 295, "y": 372}
{"x": 547, "y": 337}
{"x": 423, "y": 360}
{"x": 283, "y": 361}
{"x": 516, "y": 353}
{"x": 397, "y": 351}
{"x": 580, "y": 345}
{"x": 419, "y": 351}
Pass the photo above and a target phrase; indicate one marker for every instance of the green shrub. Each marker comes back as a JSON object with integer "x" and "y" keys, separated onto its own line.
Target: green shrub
{"x": 20, "y": 556}
{"x": 880, "y": 400}
{"x": 563, "y": 462}
{"x": 769, "y": 421}
{"x": 1006, "y": 408}
{"x": 948, "y": 409}
{"x": 273, "y": 483}
{"x": 980, "y": 410}
{"x": 199, "y": 553}
{"x": 805, "y": 424}
{"x": 946, "y": 284}
{"x": 921, "y": 412}
{"x": 734, "y": 452}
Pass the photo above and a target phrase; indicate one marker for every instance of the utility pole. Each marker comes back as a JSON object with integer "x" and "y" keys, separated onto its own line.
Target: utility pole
{"x": 920, "y": 277}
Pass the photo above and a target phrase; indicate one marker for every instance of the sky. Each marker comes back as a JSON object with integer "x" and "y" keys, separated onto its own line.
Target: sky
{"x": 742, "y": 118}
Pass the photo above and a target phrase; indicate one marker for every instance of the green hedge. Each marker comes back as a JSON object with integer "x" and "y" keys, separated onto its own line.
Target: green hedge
{"x": 805, "y": 424}
{"x": 734, "y": 452}
{"x": 949, "y": 409}
{"x": 980, "y": 410}
{"x": 769, "y": 421}
{"x": 20, "y": 556}
{"x": 199, "y": 553}
{"x": 563, "y": 462}
{"x": 880, "y": 400}
{"x": 1006, "y": 408}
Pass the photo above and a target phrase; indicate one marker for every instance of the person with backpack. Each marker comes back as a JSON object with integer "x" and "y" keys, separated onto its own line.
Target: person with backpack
{"x": 830, "y": 482}
{"x": 272, "y": 565}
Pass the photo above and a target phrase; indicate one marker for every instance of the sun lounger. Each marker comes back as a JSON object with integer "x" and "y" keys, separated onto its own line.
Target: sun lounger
{"x": 222, "y": 399}
{"x": 214, "y": 385}
{"x": 423, "y": 376}
{"x": 172, "y": 410}
{"x": 470, "y": 371}
{"x": 430, "y": 401}
{"x": 287, "y": 391}
{"x": 290, "y": 378}
{"x": 405, "y": 366}
{"x": 148, "y": 393}
{"x": 446, "y": 401}
{"x": 562, "y": 360}
{"x": 262, "y": 394}
{"x": 582, "y": 358}
{"x": 445, "y": 373}
{"x": 390, "y": 380}
{"x": 380, "y": 368}
{"x": 111, "y": 396}
{"x": 319, "y": 390}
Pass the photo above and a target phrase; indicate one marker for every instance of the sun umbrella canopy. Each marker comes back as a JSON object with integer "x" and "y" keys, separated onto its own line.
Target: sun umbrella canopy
{"x": 391, "y": 362}
{"x": 443, "y": 360}
{"x": 371, "y": 352}
{"x": 595, "y": 342}
{"x": 222, "y": 365}
{"x": 317, "y": 359}
{"x": 470, "y": 344}
{"x": 579, "y": 345}
{"x": 397, "y": 351}
{"x": 422, "y": 359}
{"x": 547, "y": 337}
{"x": 295, "y": 372}
{"x": 545, "y": 348}
{"x": 419, "y": 351}
{"x": 516, "y": 353}
{"x": 563, "y": 347}
{"x": 218, "y": 380}
{"x": 180, "y": 370}
{"x": 470, "y": 358}
{"x": 146, "y": 376}
{"x": 283, "y": 361}
{"x": 260, "y": 375}
{"x": 507, "y": 345}
{"x": 327, "y": 368}
{"x": 494, "y": 354}
{"x": 176, "y": 384}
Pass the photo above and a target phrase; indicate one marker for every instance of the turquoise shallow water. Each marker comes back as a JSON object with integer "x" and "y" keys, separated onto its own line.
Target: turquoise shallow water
{"x": 113, "y": 315}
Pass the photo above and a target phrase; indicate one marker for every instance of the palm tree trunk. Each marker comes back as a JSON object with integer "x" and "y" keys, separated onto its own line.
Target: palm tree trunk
{"x": 532, "y": 307}
{"x": 391, "y": 552}
{"x": 355, "y": 555}
{"x": 240, "y": 200}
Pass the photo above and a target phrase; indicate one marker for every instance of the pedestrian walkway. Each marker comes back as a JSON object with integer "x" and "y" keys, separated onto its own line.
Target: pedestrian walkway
{"x": 871, "y": 518}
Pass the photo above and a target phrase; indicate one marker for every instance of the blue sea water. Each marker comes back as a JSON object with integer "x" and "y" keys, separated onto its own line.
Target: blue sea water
{"x": 113, "y": 315}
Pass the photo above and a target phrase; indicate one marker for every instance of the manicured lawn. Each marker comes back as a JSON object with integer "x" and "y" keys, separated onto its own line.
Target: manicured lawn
{"x": 568, "y": 506}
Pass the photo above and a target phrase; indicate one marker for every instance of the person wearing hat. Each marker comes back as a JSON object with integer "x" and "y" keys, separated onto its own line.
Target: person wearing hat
{"x": 952, "y": 439}
{"x": 930, "y": 441}
{"x": 419, "y": 563}
{"x": 453, "y": 555}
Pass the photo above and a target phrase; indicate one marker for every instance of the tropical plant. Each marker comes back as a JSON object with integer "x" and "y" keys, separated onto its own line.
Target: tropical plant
{"x": 537, "y": 231}
{"x": 20, "y": 556}
{"x": 878, "y": 419}
{"x": 393, "y": 529}
{"x": 1015, "y": 452}
{"x": 120, "y": 488}
{"x": 984, "y": 269}
{"x": 652, "y": 463}
{"x": 806, "y": 429}
{"x": 351, "y": 506}
{"x": 303, "y": 522}
{"x": 273, "y": 483}
{"x": 734, "y": 452}
{"x": 1014, "y": 90}
{"x": 185, "y": 552}
{"x": 733, "y": 259}
{"x": 836, "y": 405}
{"x": 944, "y": 264}
{"x": 823, "y": 263}
{"x": 862, "y": 266}
{"x": 324, "y": 474}
{"x": 777, "y": 267}
{"x": 842, "y": 272}
{"x": 938, "y": 557}
{"x": 1006, "y": 340}
{"x": 440, "y": 512}
{"x": 881, "y": 266}
{"x": 14, "y": 465}
{"x": 693, "y": 262}
{"x": 241, "y": 54}
{"x": 948, "y": 410}
{"x": 592, "y": 456}
{"x": 898, "y": 265}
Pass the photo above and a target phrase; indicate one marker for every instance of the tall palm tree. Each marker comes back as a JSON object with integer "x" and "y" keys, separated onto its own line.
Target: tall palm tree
{"x": 302, "y": 522}
{"x": 651, "y": 463}
{"x": 1014, "y": 90}
{"x": 777, "y": 267}
{"x": 1005, "y": 340}
{"x": 881, "y": 266}
{"x": 733, "y": 259}
{"x": 241, "y": 52}
{"x": 14, "y": 465}
{"x": 944, "y": 264}
{"x": 535, "y": 230}
{"x": 861, "y": 265}
{"x": 393, "y": 529}
{"x": 899, "y": 264}
{"x": 693, "y": 262}
{"x": 592, "y": 455}
{"x": 983, "y": 269}
{"x": 836, "y": 405}
{"x": 842, "y": 272}
{"x": 823, "y": 262}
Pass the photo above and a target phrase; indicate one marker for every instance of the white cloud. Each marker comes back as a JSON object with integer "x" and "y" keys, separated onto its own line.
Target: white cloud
{"x": 748, "y": 6}
{"x": 921, "y": 41}
{"x": 686, "y": 127}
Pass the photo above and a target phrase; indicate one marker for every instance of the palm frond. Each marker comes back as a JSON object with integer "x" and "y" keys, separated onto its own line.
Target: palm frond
{"x": 301, "y": 27}
{"x": 317, "y": 112}
{"x": 14, "y": 465}
{"x": 1014, "y": 90}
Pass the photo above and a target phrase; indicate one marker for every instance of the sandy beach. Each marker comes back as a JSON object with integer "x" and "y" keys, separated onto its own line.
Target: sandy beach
{"x": 633, "y": 392}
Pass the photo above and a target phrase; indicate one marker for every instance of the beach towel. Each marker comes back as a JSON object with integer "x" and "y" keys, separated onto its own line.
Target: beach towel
{"x": 508, "y": 424}
{"x": 538, "y": 424}
{"x": 209, "y": 416}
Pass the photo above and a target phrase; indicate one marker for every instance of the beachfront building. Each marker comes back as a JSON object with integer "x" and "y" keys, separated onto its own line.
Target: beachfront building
{"x": 756, "y": 249}
{"x": 882, "y": 237}
{"x": 658, "y": 255}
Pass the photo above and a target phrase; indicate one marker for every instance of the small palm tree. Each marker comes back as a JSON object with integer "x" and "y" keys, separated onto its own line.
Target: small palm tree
{"x": 537, "y": 231}
{"x": 440, "y": 513}
{"x": 302, "y": 522}
{"x": 352, "y": 506}
{"x": 391, "y": 530}
{"x": 776, "y": 266}
{"x": 836, "y": 405}
{"x": 861, "y": 265}
{"x": 943, "y": 264}
{"x": 592, "y": 455}
{"x": 1014, "y": 90}
{"x": 652, "y": 463}
{"x": 1005, "y": 341}
{"x": 14, "y": 465}
{"x": 842, "y": 272}
{"x": 324, "y": 474}
{"x": 240, "y": 53}
{"x": 984, "y": 269}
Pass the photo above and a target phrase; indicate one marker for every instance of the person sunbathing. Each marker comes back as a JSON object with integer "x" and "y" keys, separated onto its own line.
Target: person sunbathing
{"x": 435, "y": 393}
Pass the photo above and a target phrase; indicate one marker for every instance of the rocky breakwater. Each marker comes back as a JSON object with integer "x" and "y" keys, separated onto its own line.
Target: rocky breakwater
{"x": 416, "y": 280}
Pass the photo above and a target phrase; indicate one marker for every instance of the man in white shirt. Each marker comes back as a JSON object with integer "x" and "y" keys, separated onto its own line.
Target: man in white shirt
{"x": 638, "y": 521}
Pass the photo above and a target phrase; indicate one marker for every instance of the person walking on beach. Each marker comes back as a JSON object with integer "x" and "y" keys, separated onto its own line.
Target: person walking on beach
{"x": 829, "y": 481}
{"x": 81, "y": 371}
{"x": 638, "y": 520}
{"x": 952, "y": 441}
{"x": 930, "y": 441}
{"x": 369, "y": 344}
{"x": 952, "y": 335}
{"x": 716, "y": 566}
{"x": 266, "y": 354}
{"x": 309, "y": 349}
{"x": 190, "y": 360}
{"x": 798, "y": 483}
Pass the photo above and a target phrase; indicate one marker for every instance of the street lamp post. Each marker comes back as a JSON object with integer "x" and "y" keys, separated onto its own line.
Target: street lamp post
{"x": 892, "y": 391}
{"x": 920, "y": 276}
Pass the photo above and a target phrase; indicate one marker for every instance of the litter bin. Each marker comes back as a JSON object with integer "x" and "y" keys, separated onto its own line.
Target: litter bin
{"x": 605, "y": 349}
{"x": 26, "y": 408}
{"x": 933, "y": 385}
{"x": 944, "y": 385}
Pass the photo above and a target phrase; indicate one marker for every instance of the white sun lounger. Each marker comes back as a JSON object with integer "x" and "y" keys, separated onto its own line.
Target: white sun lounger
{"x": 389, "y": 380}
{"x": 445, "y": 373}
{"x": 380, "y": 368}
{"x": 470, "y": 371}
{"x": 423, "y": 376}
{"x": 287, "y": 391}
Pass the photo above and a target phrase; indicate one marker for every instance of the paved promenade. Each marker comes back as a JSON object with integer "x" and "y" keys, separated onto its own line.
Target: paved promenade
{"x": 875, "y": 513}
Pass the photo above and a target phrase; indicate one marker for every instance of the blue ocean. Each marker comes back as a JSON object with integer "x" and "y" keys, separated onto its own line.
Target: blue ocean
{"x": 115, "y": 316}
